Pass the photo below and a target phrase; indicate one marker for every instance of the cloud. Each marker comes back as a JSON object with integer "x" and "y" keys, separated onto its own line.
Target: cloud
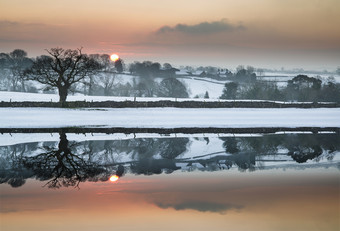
{"x": 8, "y": 210}
{"x": 5, "y": 23}
{"x": 201, "y": 28}
{"x": 200, "y": 206}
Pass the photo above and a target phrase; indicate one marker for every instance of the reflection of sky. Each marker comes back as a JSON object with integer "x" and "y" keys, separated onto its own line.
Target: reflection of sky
{"x": 261, "y": 200}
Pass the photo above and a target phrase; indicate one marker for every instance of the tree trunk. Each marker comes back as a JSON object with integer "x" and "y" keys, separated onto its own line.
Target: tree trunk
{"x": 23, "y": 87}
{"x": 63, "y": 91}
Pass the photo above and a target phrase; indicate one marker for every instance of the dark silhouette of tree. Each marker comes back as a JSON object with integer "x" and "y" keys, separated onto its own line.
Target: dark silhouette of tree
{"x": 231, "y": 145}
{"x": 245, "y": 75}
{"x": 167, "y": 66}
{"x": 302, "y": 154}
{"x": 261, "y": 90}
{"x": 250, "y": 70}
{"x": 239, "y": 68}
{"x": 244, "y": 161}
{"x": 260, "y": 71}
{"x": 330, "y": 92}
{"x": 304, "y": 88}
{"x": 206, "y": 95}
{"x": 172, "y": 148}
{"x": 16, "y": 62}
{"x": 147, "y": 71}
{"x": 303, "y": 81}
{"x": 62, "y": 69}
{"x": 230, "y": 91}
{"x": 119, "y": 65}
{"x": 172, "y": 87}
{"x": 61, "y": 166}
{"x": 153, "y": 166}
{"x": 120, "y": 171}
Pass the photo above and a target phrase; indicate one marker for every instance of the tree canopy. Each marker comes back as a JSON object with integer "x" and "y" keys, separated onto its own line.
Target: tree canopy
{"x": 61, "y": 69}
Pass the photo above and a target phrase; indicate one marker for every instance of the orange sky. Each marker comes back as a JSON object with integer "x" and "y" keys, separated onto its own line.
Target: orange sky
{"x": 267, "y": 33}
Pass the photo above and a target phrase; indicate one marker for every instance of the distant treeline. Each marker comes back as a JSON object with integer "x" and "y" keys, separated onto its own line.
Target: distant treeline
{"x": 300, "y": 88}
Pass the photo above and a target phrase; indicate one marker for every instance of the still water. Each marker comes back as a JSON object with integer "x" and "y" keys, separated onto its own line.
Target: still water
{"x": 175, "y": 182}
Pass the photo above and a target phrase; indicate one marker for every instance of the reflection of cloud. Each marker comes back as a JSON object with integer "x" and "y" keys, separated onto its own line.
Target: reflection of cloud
{"x": 8, "y": 210}
{"x": 202, "y": 28}
{"x": 201, "y": 206}
{"x": 5, "y": 23}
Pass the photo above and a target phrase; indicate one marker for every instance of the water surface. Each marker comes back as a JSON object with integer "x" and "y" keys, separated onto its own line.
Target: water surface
{"x": 188, "y": 182}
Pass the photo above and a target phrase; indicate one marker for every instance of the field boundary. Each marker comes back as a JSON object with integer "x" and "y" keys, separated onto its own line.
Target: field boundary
{"x": 183, "y": 130}
{"x": 176, "y": 104}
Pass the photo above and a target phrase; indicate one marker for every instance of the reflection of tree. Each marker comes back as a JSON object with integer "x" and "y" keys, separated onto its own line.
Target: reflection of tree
{"x": 67, "y": 163}
{"x": 171, "y": 148}
{"x": 230, "y": 144}
{"x": 151, "y": 166}
{"x": 301, "y": 147}
{"x": 143, "y": 152}
{"x": 168, "y": 148}
{"x": 311, "y": 147}
{"x": 302, "y": 154}
{"x": 12, "y": 170}
{"x": 61, "y": 166}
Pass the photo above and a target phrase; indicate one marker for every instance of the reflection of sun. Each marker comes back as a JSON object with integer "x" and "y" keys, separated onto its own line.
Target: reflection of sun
{"x": 114, "y": 178}
{"x": 114, "y": 57}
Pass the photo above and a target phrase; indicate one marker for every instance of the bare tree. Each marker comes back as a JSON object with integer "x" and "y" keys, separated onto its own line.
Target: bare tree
{"x": 62, "y": 69}
{"x": 106, "y": 78}
{"x": 18, "y": 63}
{"x": 12, "y": 68}
{"x": 260, "y": 71}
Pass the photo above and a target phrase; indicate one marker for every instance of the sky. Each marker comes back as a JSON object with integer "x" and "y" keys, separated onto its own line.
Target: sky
{"x": 224, "y": 33}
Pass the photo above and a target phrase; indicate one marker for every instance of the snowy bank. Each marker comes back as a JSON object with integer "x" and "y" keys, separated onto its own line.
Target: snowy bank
{"x": 168, "y": 117}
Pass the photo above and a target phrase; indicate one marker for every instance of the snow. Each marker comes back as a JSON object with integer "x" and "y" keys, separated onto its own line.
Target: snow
{"x": 168, "y": 117}
{"x": 7, "y": 96}
{"x": 198, "y": 86}
{"x": 19, "y": 138}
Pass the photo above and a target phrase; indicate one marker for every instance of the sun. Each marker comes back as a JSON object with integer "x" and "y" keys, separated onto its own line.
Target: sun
{"x": 114, "y": 178}
{"x": 114, "y": 57}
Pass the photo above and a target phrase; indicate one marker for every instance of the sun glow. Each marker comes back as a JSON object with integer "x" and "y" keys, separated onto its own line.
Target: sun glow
{"x": 114, "y": 178}
{"x": 114, "y": 57}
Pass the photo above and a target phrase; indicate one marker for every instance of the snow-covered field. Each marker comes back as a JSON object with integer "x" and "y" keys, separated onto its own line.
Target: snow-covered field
{"x": 8, "y": 96}
{"x": 168, "y": 117}
{"x": 198, "y": 87}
